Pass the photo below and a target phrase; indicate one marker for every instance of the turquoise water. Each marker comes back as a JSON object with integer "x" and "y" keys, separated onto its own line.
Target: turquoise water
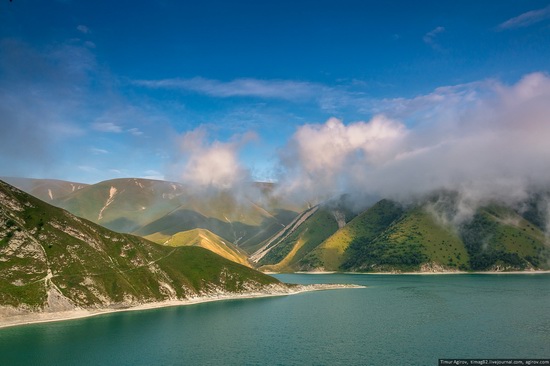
{"x": 397, "y": 320}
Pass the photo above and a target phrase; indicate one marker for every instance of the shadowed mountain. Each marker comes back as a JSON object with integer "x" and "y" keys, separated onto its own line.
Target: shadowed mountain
{"x": 146, "y": 207}
{"x": 124, "y": 205}
{"x": 498, "y": 237}
{"x": 47, "y": 190}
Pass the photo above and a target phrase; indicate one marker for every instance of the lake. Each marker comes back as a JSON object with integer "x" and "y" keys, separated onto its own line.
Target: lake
{"x": 397, "y": 320}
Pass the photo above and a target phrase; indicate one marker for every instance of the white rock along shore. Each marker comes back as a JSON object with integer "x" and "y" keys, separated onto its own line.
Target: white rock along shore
{"x": 10, "y": 316}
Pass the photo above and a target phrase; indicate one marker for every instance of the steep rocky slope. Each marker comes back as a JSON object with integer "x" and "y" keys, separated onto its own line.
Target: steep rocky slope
{"x": 51, "y": 260}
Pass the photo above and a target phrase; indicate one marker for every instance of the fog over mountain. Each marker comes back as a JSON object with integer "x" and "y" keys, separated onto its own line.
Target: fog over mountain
{"x": 485, "y": 140}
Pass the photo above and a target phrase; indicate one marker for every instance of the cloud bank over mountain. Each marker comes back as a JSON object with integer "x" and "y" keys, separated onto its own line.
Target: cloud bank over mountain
{"x": 486, "y": 140}
{"x": 204, "y": 164}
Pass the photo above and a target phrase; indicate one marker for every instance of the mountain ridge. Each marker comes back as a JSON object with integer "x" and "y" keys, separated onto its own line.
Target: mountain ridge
{"x": 51, "y": 261}
{"x": 391, "y": 237}
{"x": 386, "y": 236}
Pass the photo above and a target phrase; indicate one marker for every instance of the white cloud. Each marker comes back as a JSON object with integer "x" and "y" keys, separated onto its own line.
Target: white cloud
{"x": 245, "y": 87}
{"x": 485, "y": 140}
{"x": 211, "y": 164}
{"x": 135, "y": 131}
{"x": 526, "y": 19}
{"x": 153, "y": 174}
{"x": 107, "y": 127}
{"x": 319, "y": 157}
{"x": 430, "y": 37}
{"x": 97, "y": 151}
{"x": 83, "y": 29}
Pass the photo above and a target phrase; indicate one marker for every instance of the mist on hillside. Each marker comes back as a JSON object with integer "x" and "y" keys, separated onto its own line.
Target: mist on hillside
{"x": 486, "y": 141}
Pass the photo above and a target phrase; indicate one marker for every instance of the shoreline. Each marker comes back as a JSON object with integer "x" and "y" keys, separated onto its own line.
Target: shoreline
{"x": 79, "y": 313}
{"x": 47, "y": 317}
{"x": 418, "y": 273}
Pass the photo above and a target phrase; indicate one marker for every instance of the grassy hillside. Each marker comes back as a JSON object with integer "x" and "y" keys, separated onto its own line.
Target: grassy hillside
{"x": 51, "y": 260}
{"x": 333, "y": 252}
{"x": 391, "y": 237}
{"x": 413, "y": 239}
{"x": 289, "y": 252}
{"x": 498, "y": 237}
{"x": 204, "y": 239}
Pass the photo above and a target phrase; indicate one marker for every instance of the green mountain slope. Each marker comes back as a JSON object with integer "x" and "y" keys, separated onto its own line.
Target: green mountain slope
{"x": 334, "y": 250}
{"x": 204, "y": 239}
{"x": 390, "y": 237}
{"x": 287, "y": 253}
{"x": 499, "y": 238}
{"x": 414, "y": 239}
{"x": 51, "y": 260}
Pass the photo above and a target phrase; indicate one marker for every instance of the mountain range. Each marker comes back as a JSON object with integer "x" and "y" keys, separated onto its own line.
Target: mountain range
{"x": 417, "y": 237}
{"x": 259, "y": 229}
{"x": 51, "y": 260}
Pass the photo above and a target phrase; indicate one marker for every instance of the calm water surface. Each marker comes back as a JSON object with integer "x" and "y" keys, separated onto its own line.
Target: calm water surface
{"x": 397, "y": 320}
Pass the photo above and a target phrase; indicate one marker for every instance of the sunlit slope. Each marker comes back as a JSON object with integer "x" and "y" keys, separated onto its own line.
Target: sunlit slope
{"x": 51, "y": 260}
{"x": 238, "y": 220}
{"x": 288, "y": 253}
{"x": 369, "y": 224}
{"x": 205, "y": 239}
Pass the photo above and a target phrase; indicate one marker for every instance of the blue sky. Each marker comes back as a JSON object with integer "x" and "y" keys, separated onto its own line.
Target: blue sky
{"x": 203, "y": 91}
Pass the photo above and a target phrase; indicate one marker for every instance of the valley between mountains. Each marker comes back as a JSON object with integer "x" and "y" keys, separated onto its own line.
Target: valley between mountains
{"x": 55, "y": 265}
